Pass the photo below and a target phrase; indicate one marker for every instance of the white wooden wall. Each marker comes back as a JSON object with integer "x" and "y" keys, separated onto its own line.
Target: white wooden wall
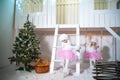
{"x": 46, "y": 18}
{"x": 98, "y": 18}
{"x": 101, "y": 19}
{"x": 71, "y": 12}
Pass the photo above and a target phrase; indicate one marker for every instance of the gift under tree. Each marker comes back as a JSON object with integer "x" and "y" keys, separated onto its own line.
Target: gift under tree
{"x": 26, "y": 47}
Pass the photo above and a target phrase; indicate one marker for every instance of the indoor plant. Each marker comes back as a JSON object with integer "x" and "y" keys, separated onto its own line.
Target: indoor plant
{"x": 26, "y": 47}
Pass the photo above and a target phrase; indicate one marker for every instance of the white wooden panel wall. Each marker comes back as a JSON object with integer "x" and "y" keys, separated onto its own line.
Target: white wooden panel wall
{"x": 70, "y": 12}
{"x": 86, "y": 13}
{"x": 40, "y": 19}
{"x": 109, "y": 18}
{"x": 97, "y": 18}
{"x": 47, "y": 17}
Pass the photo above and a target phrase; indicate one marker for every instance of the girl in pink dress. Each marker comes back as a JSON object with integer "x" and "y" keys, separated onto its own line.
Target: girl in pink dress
{"x": 91, "y": 52}
{"x": 66, "y": 53}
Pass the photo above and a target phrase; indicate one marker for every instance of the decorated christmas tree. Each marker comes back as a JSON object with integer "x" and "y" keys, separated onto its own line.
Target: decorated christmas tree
{"x": 26, "y": 47}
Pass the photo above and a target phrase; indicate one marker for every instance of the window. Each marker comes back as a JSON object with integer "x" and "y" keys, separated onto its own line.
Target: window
{"x": 29, "y": 6}
{"x": 100, "y": 4}
{"x": 106, "y": 4}
{"x": 118, "y": 4}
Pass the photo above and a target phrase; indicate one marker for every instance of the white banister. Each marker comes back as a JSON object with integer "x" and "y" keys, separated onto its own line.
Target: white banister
{"x": 113, "y": 33}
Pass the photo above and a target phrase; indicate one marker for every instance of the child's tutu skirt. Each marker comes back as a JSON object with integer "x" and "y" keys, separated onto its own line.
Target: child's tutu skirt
{"x": 95, "y": 55}
{"x": 67, "y": 54}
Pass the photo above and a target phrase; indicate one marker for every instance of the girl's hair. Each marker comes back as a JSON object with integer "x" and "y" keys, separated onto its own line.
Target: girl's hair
{"x": 93, "y": 44}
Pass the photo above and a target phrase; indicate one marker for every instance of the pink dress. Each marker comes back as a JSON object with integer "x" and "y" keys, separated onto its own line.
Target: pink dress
{"x": 92, "y": 53}
{"x": 66, "y": 52}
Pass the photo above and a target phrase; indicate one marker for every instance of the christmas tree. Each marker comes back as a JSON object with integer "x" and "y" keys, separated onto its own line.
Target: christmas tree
{"x": 26, "y": 47}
